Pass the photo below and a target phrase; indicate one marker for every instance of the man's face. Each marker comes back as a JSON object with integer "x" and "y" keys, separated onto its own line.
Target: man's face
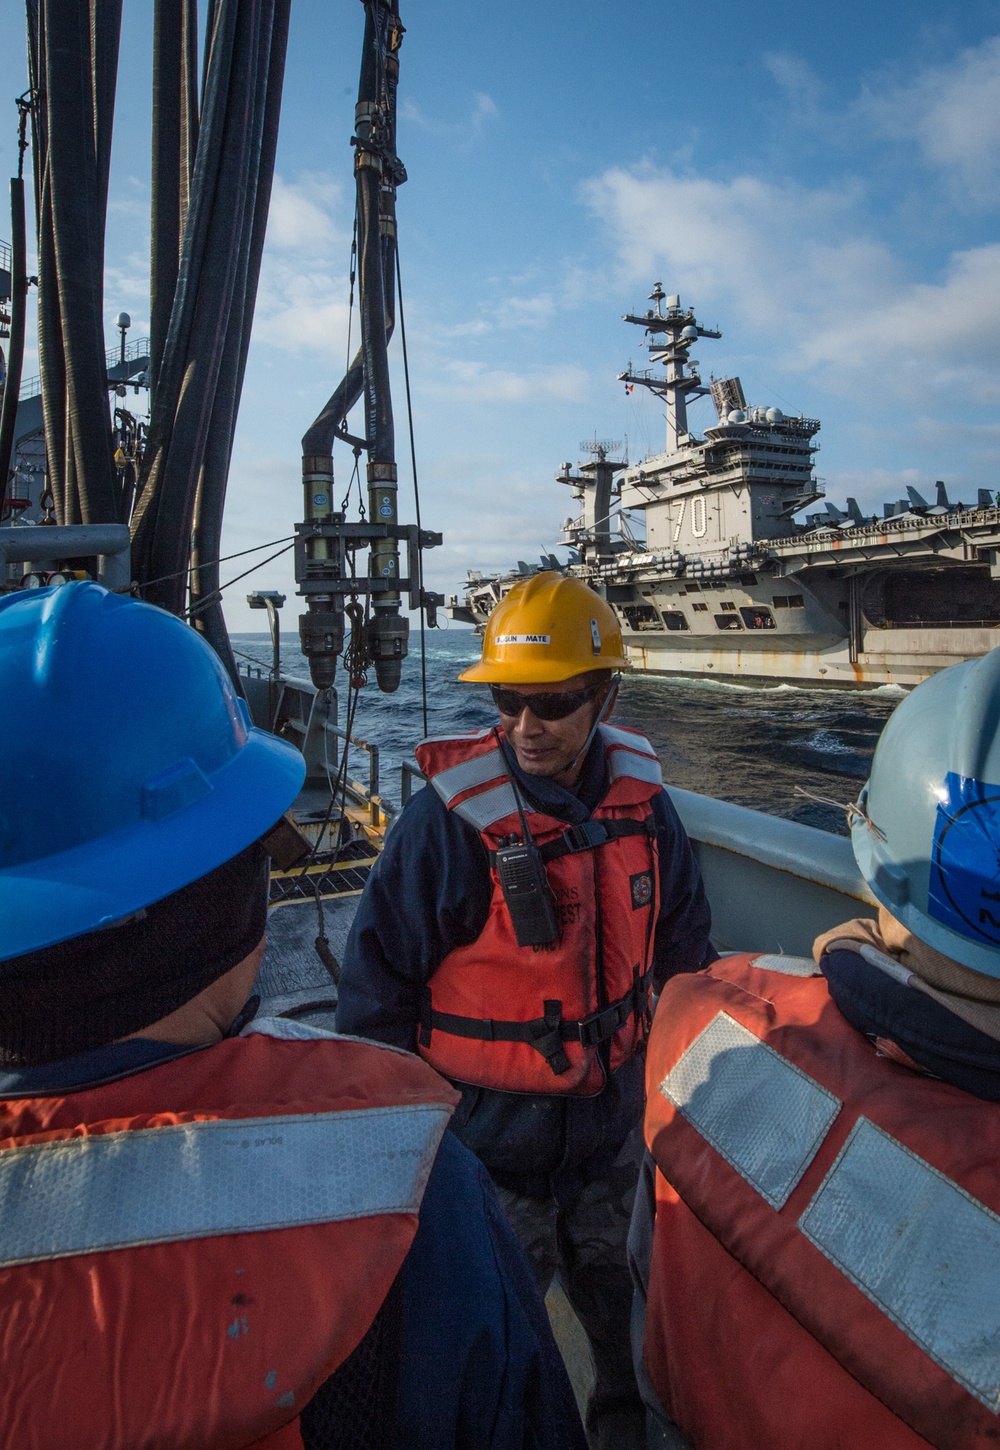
{"x": 551, "y": 748}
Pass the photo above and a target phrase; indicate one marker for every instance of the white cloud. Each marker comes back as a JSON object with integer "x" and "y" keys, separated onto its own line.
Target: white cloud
{"x": 952, "y": 326}
{"x": 302, "y": 302}
{"x": 952, "y": 111}
{"x": 296, "y": 319}
{"x": 801, "y": 267}
{"x": 802, "y": 87}
{"x": 506, "y": 314}
{"x": 301, "y": 217}
{"x": 482, "y": 110}
{"x": 475, "y": 382}
{"x": 485, "y": 107}
{"x": 526, "y": 311}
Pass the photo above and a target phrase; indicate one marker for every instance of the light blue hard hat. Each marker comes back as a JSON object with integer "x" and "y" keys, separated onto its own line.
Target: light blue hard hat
{"x": 927, "y": 835}
{"x": 128, "y": 764}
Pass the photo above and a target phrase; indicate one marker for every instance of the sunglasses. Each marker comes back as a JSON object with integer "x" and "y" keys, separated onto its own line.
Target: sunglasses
{"x": 544, "y": 706}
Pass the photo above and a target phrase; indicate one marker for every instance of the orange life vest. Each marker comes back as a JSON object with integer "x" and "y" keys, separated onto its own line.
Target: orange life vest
{"x": 531, "y": 1019}
{"x": 826, "y": 1256}
{"x": 187, "y": 1254}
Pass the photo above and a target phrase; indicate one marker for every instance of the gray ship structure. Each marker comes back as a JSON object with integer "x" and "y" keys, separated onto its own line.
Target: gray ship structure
{"x": 728, "y": 581}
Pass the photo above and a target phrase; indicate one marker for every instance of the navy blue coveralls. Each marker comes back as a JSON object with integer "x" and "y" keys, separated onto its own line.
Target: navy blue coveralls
{"x": 430, "y": 893}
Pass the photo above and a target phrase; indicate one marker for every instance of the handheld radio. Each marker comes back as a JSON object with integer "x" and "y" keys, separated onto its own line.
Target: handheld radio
{"x": 527, "y": 892}
{"x": 525, "y": 885}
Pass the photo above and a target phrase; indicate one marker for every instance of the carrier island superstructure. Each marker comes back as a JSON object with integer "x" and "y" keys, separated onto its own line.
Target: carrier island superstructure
{"x": 728, "y": 582}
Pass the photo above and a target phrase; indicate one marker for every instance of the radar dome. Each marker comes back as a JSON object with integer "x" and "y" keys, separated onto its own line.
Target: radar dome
{"x": 689, "y": 332}
{"x": 759, "y": 415}
{"x": 736, "y": 416}
{"x": 775, "y": 415}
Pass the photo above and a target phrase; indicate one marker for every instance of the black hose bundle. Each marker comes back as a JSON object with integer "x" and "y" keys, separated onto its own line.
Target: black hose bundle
{"x": 73, "y": 63}
{"x": 175, "y": 140}
{"x": 18, "y": 301}
{"x": 178, "y": 518}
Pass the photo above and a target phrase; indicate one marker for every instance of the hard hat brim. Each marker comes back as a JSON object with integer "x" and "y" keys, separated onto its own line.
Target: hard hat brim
{"x": 537, "y": 671}
{"x": 99, "y": 882}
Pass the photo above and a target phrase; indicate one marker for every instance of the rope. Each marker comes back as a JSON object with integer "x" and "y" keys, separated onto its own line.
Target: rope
{"x": 350, "y": 301}
{"x": 339, "y": 786}
{"x": 851, "y": 809}
{"x": 416, "y": 496}
{"x": 357, "y": 656}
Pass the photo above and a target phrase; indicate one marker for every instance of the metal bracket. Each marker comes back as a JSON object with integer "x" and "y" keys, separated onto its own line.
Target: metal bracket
{"x": 317, "y": 576}
{"x": 345, "y": 437}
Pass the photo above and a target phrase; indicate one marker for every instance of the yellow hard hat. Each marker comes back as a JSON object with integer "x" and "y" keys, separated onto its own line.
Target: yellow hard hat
{"x": 546, "y": 629}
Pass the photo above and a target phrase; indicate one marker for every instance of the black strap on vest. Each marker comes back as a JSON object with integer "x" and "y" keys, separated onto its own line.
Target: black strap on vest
{"x": 588, "y": 836}
{"x": 548, "y": 1033}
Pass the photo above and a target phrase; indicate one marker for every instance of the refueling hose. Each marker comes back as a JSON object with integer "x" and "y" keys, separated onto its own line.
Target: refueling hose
{"x": 74, "y": 66}
{"x": 194, "y": 405}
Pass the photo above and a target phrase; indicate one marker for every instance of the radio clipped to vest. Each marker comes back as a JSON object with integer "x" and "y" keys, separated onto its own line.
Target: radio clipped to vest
{"x": 525, "y": 884}
{"x": 527, "y": 893}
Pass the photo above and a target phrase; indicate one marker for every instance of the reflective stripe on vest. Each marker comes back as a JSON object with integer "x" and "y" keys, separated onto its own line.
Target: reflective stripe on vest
{"x": 195, "y": 1180}
{"x": 117, "y": 1334}
{"x": 477, "y": 770}
{"x": 484, "y": 810}
{"x": 927, "y": 1253}
{"x": 629, "y": 754}
{"x": 762, "y": 1114}
{"x": 873, "y": 1163}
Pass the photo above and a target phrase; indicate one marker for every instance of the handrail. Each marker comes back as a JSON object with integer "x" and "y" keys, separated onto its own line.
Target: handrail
{"x": 375, "y": 804}
{"x": 409, "y": 771}
{"x": 31, "y": 387}
{"x": 110, "y": 542}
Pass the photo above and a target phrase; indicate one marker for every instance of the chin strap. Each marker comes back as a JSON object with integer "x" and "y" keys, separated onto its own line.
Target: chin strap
{"x": 605, "y": 709}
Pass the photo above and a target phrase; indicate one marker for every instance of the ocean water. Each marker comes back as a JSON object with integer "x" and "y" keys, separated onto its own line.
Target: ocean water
{"x": 744, "y": 743}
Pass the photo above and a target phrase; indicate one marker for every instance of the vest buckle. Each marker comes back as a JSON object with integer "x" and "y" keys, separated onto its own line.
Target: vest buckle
{"x": 546, "y": 1037}
{"x": 585, "y": 836}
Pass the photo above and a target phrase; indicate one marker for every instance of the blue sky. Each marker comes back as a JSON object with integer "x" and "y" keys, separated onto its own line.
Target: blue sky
{"x": 821, "y": 182}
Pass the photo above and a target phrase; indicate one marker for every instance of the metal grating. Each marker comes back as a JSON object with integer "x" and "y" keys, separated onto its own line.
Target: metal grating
{"x": 331, "y": 873}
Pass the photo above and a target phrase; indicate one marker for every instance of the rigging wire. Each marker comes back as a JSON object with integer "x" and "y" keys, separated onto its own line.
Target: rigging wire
{"x": 355, "y": 478}
{"x": 337, "y": 787}
{"x": 216, "y": 594}
{"x": 252, "y": 659}
{"x": 223, "y": 559}
{"x": 416, "y": 496}
{"x": 353, "y": 265}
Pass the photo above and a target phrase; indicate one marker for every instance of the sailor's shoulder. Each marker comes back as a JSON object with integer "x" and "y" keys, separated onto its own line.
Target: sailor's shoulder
{"x": 425, "y": 822}
{"x": 625, "y": 737}
{"x": 438, "y": 753}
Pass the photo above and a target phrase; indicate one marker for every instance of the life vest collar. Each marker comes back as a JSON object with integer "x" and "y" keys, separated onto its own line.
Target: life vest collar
{"x": 478, "y": 788}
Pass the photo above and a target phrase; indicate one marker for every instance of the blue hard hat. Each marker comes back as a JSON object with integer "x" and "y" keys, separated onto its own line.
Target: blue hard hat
{"x": 128, "y": 764}
{"x": 927, "y": 833}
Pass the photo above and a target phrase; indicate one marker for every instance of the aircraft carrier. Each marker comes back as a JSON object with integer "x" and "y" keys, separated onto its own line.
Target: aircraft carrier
{"x": 734, "y": 578}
